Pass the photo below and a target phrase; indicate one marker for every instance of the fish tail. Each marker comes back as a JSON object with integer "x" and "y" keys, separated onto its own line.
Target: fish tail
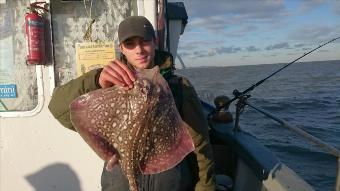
{"x": 133, "y": 184}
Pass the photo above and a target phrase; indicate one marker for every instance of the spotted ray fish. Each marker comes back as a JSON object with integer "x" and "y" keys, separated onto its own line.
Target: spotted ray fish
{"x": 142, "y": 125}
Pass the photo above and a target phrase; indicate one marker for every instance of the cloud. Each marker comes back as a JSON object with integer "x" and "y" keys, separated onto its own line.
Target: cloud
{"x": 323, "y": 51}
{"x": 299, "y": 45}
{"x": 199, "y": 54}
{"x": 261, "y": 27}
{"x": 306, "y": 48}
{"x": 312, "y": 33}
{"x": 184, "y": 54}
{"x": 218, "y": 15}
{"x": 240, "y": 32}
{"x": 336, "y": 7}
{"x": 270, "y": 55}
{"x": 278, "y": 46}
{"x": 187, "y": 46}
{"x": 293, "y": 53}
{"x": 213, "y": 23}
{"x": 307, "y": 5}
{"x": 205, "y": 8}
{"x": 252, "y": 49}
{"x": 211, "y": 52}
{"x": 228, "y": 50}
{"x": 191, "y": 45}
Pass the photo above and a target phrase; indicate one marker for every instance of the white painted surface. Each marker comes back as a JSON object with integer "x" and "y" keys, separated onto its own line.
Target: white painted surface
{"x": 282, "y": 178}
{"x": 151, "y": 12}
{"x": 37, "y": 153}
{"x": 175, "y": 27}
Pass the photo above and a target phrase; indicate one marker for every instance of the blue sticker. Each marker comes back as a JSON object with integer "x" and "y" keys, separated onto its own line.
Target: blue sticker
{"x": 8, "y": 91}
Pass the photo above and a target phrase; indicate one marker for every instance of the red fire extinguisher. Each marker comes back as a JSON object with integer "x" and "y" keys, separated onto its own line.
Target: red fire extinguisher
{"x": 35, "y": 34}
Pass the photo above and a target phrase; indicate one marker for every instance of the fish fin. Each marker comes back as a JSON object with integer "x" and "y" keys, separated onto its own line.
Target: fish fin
{"x": 169, "y": 159}
{"x": 97, "y": 143}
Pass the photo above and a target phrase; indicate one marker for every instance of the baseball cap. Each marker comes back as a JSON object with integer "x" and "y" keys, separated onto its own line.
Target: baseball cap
{"x": 135, "y": 26}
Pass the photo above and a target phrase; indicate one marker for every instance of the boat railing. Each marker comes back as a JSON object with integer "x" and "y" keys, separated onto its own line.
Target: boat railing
{"x": 316, "y": 141}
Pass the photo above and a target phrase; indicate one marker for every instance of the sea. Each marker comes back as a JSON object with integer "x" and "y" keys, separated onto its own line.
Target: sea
{"x": 305, "y": 94}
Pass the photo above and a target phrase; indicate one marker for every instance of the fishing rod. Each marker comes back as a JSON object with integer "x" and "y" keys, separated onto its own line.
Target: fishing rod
{"x": 238, "y": 94}
{"x": 310, "y": 138}
{"x": 242, "y": 102}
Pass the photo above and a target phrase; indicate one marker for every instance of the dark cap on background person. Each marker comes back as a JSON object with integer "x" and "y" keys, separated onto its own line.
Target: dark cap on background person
{"x": 135, "y": 26}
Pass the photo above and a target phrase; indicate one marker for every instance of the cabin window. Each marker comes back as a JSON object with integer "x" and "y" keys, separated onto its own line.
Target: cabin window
{"x": 18, "y": 81}
{"x": 70, "y": 21}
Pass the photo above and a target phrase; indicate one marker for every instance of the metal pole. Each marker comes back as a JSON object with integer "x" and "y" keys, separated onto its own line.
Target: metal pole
{"x": 167, "y": 25}
{"x": 326, "y": 147}
{"x": 337, "y": 183}
{"x": 181, "y": 61}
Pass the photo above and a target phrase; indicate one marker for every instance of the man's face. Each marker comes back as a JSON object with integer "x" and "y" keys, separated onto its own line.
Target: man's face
{"x": 139, "y": 52}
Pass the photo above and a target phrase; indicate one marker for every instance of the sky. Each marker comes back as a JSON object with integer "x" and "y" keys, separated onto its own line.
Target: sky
{"x": 247, "y": 32}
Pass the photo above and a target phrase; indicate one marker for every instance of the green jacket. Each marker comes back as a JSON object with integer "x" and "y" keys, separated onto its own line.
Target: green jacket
{"x": 191, "y": 111}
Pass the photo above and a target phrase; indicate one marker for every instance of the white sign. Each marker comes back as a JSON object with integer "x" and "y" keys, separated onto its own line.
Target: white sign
{"x": 91, "y": 55}
{"x": 2, "y": 1}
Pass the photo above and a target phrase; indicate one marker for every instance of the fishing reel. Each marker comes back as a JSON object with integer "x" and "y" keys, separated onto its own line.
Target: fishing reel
{"x": 222, "y": 103}
{"x": 242, "y": 100}
{"x": 240, "y": 105}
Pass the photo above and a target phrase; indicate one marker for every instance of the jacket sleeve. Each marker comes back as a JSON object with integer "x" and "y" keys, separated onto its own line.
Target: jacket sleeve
{"x": 203, "y": 155}
{"x": 65, "y": 94}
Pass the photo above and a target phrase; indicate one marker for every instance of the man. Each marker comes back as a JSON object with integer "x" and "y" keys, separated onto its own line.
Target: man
{"x": 138, "y": 48}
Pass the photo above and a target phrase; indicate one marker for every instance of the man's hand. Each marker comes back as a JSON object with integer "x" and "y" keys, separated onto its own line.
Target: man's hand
{"x": 116, "y": 73}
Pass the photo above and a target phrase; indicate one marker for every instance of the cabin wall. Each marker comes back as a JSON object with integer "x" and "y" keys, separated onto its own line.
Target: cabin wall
{"x": 70, "y": 22}
{"x": 36, "y": 152}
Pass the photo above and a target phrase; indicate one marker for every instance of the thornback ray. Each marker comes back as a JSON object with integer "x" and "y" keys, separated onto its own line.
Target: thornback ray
{"x": 141, "y": 125}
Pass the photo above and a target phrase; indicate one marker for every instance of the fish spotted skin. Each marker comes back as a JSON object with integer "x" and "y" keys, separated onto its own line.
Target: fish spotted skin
{"x": 142, "y": 125}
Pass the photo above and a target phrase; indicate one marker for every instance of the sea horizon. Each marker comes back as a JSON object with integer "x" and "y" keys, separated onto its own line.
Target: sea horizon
{"x": 306, "y": 97}
{"x": 215, "y": 66}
